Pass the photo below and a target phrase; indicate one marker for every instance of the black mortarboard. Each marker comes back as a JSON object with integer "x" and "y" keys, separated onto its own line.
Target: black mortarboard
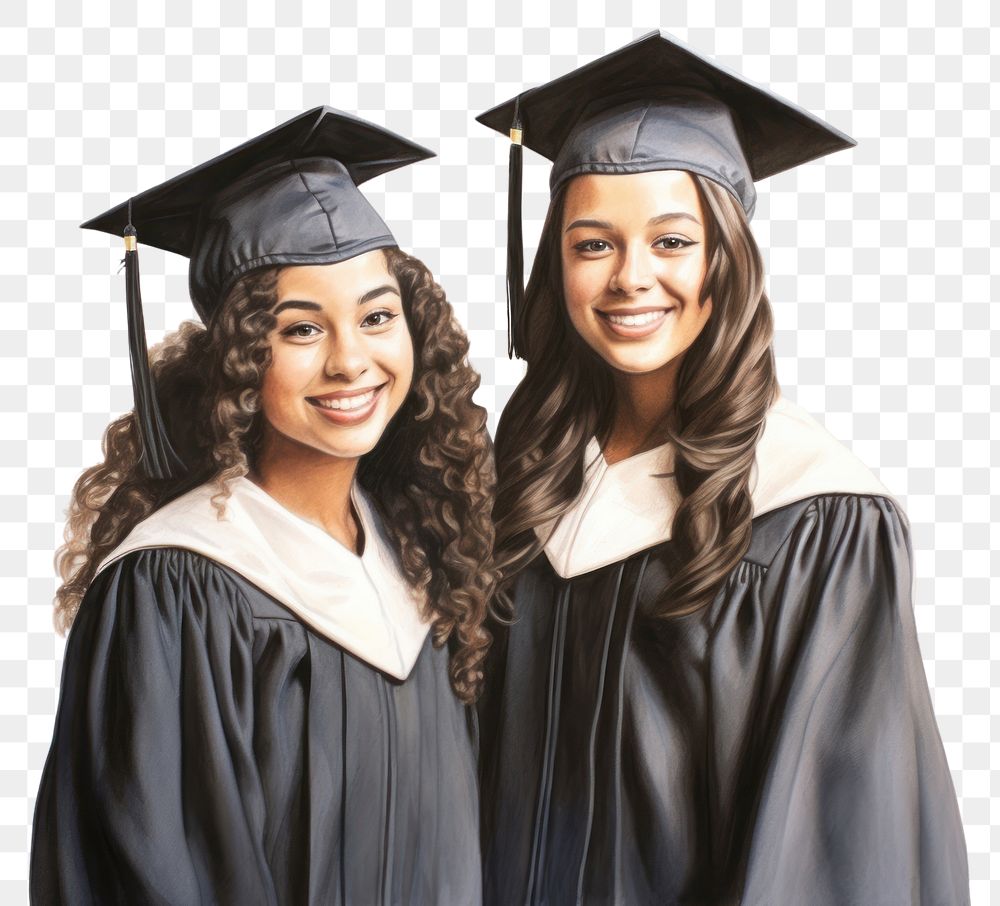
{"x": 289, "y": 196}
{"x": 653, "y": 105}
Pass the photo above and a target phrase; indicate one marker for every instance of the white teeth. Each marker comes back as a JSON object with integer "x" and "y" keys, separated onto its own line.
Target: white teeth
{"x": 636, "y": 320}
{"x": 348, "y": 402}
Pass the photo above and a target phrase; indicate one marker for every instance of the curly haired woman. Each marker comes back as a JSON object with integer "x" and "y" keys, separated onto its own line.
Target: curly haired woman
{"x": 278, "y": 576}
{"x": 709, "y": 690}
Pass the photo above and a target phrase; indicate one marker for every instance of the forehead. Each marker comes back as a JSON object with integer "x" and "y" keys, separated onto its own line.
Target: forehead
{"x": 622, "y": 196}
{"x": 345, "y": 279}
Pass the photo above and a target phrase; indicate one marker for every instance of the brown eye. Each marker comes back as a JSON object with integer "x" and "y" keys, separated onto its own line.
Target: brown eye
{"x": 301, "y": 331}
{"x": 378, "y": 318}
{"x": 672, "y": 243}
{"x": 592, "y": 245}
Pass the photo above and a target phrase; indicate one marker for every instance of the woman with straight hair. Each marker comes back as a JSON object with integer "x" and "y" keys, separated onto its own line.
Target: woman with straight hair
{"x": 705, "y": 686}
{"x": 277, "y": 578}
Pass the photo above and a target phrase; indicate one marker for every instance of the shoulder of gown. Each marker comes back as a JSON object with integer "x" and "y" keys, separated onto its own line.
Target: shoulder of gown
{"x": 159, "y": 660}
{"x": 857, "y": 512}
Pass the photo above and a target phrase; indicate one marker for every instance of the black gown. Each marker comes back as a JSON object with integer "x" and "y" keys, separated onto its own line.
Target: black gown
{"x": 211, "y": 747}
{"x": 777, "y": 748}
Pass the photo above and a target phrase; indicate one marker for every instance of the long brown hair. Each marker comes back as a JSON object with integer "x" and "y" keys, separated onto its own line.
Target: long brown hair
{"x": 725, "y": 386}
{"x": 431, "y": 473}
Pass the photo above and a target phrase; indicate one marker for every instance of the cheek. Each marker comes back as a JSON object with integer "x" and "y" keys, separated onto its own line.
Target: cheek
{"x": 688, "y": 276}
{"x": 582, "y": 283}
{"x": 694, "y": 320}
{"x": 395, "y": 355}
{"x": 288, "y": 374}
{"x": 272, "y": 396}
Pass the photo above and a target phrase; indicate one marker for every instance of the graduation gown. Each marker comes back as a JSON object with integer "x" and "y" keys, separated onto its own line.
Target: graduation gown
{"x": 251, "y": 714}
{"x": 776, "y": 747}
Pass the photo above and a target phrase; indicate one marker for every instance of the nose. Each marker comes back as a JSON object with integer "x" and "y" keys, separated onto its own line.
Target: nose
{"x": 347, "y": 357}
{"x": 634, "y": 272}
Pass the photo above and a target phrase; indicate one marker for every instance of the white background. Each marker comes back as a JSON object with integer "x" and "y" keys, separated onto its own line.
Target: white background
{"x": 879, "y": 262}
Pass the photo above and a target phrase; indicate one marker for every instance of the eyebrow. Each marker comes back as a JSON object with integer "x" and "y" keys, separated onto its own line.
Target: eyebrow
{"x": 297, "y": 303}
{"x": 315, "y": 306}
{"x": 659, "y": 218}
{"x": 375, "y": 293}
{"x": 673, "y": 215}
{"x": 593, "y": 224}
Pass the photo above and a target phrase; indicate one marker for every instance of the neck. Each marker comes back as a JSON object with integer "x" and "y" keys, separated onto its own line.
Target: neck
{"x": 310, "y": 483}
{"x": 643, "y": 406}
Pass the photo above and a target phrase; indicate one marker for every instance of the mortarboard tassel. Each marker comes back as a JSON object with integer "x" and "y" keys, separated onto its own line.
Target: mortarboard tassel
{"x": 158, "y": 459}
{"x": 515, "y": 244}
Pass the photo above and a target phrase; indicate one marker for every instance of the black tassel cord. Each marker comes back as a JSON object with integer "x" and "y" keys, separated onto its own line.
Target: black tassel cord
{"x": 158, "y": 459}
{"x": 515, "y": 243}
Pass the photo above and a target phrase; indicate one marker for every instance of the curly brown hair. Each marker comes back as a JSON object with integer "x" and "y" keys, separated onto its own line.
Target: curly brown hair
{"x": 431, "y": 474}
{"x": 725, "y": 386}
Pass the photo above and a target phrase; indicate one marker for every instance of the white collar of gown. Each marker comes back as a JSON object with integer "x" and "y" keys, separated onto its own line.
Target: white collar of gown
{"x": 629, "y": 506}
{"x": 364, "y": 604}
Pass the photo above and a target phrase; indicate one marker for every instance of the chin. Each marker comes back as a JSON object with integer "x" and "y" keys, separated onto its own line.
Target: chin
{"x": 355, "y": 443}
{"x": 635, "y": 362}
{"x": 339, "y": 443}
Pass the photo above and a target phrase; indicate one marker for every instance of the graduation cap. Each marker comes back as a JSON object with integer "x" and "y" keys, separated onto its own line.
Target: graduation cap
{"x": 289, "y": 196}
{"x": 652, "y": 105}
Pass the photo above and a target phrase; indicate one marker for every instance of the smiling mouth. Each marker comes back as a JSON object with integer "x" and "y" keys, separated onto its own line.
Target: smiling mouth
{"x": 346, "y": 402}
{"x": 635, "y": 320}
{"x": 634, "y": 324}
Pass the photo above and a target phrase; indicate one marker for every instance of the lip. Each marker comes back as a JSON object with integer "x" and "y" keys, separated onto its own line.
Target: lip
{"x": 345, "y": 394}
{"x": 636, "y": 332}
{"x": 348, "y": 417}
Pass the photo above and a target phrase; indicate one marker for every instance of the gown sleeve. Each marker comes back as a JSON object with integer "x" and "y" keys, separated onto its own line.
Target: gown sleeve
{"x": 150, "y": 793}
{"x": 857, "y": 804}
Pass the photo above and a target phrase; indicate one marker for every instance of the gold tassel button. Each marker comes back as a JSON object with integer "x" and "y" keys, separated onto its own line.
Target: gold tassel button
{"x": 515, "y": 136}
{"x": 130, "y": 243}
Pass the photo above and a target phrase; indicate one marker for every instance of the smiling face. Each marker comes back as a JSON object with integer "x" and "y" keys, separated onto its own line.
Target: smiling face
{"x": 633, "y": 265}
{"x": 341, "y": 355}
